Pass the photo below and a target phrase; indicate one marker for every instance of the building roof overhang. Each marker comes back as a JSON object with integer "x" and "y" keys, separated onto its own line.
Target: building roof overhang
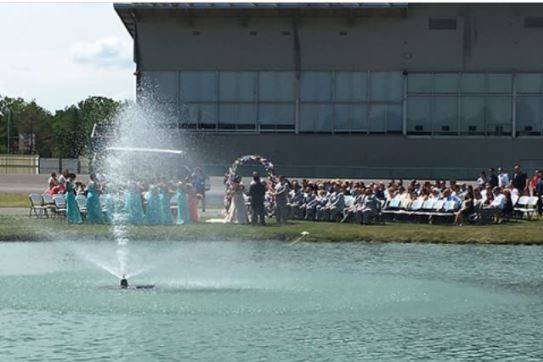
{"x": 130, "y": 12}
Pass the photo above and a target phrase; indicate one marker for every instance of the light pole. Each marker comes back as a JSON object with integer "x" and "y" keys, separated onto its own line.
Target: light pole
{"x": 7, "y": 114}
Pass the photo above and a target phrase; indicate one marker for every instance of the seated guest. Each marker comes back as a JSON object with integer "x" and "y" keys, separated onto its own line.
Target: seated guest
{"x": 336, "y": 204}
{"x": 64, "y": 176}
{"x": 371, "y": 207}
{"x": 498, "y": 200}
{"x": 79, "y": 188}
{"x": 349, "y": 213}
{"x": 295, "y": 201}
{"x": 60, "y": 188}
{"x": 52, "y": 183}
{"x": 507, "y": 210}
{"x": 310, "y": 204}
{"x": 322, "y": 202}
{"x": 468, "y": 207}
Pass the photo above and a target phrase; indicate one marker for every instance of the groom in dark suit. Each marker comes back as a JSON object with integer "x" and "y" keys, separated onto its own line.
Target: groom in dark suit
{"x": 257, "y": 191}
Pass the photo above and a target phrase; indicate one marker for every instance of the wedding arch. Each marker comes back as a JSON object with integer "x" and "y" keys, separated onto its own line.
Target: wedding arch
{"x": 249, "y": 159}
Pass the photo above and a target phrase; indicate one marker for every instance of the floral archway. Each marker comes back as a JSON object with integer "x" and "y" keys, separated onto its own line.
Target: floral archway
{"x": 248, "y": 159}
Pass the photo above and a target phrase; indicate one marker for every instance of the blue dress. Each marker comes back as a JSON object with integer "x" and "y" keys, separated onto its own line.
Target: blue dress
{"x": 152, "y": 213}
{"x": 72, "y": 209}
{"x": 109, "y": 208}
{"x": 94, "y": 209}
{"x": 165, "y": 213}
{"x": 133, "y": 207}
{"x": 183, "y": 215}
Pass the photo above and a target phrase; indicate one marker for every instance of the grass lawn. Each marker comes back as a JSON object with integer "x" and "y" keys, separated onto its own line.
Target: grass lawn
{"x": 21, "y": 228}
{"x": 13, "y": 200}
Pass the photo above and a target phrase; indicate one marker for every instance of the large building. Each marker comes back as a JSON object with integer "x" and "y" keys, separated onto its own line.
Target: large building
{"x": 355, "y": 90}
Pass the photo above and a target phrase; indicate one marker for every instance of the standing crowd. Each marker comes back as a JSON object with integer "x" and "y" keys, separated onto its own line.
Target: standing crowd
{"x": 133, "y": 202}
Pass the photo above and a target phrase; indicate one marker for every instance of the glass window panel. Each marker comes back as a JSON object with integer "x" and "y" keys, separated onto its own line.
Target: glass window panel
{"x": 237, "y": 113}
{"x": 276, "y": 87}
{"x": 377, "y": 118}
{"x": 351, "y": 86}
{"x": 162, "y": 86}
{"x": 316, "y": 86}
{"x": 418, "y": 115}
{"x": 528, "y": 83}
{"x": 316, "y": 118}
{"x": 269, "y": 114}
{"x": 473, "y": 82}
{"x": 498, "y": 113}
{"x": 394, "y": 118}
{"x": 529, "y": 115}
{"x": 386, "y": 86}
{"x": 472, "y": 115}
{"x": 445, "y": 114}
{"x": 237, "y": 86}
{"x": 205, "y": 113}
{"x": 351, "y": 117}
{"x": 499, "y": 83}
{"x": 198, "y": 86}
{"x": 446, "y": 83}
{"x": 420, "y": 83}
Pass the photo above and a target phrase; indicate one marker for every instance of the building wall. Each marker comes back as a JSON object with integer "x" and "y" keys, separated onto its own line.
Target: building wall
{"x": 474, "y": 92}
{"x": 487, "y": 38}
{"x": 367, "y": 156}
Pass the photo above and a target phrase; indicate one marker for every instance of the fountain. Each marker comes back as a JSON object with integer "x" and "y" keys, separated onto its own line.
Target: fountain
{"x": 139, "y": 149}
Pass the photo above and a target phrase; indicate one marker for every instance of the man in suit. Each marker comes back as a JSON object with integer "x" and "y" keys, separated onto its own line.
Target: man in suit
{"x": 281, "y": 200}
{"x": 519, "y": 180}
{"x": 257, "y": 191}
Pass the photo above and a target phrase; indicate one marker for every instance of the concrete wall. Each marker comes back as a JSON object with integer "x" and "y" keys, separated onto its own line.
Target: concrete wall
{"x": 368, "y": 156}
{"x": 487, "y": 38}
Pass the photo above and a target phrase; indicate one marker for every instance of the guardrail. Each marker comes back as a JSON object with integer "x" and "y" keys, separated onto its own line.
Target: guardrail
{"x": 11, "y": 164}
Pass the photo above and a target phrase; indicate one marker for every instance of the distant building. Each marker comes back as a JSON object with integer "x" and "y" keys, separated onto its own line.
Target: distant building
{"x": 355, "y": 90}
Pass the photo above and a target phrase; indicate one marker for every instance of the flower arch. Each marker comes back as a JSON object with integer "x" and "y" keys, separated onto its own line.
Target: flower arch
{"x": 244, "y": 160}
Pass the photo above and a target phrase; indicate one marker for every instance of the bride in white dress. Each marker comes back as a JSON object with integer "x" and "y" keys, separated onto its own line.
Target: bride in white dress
{"x": 237, "y": 213}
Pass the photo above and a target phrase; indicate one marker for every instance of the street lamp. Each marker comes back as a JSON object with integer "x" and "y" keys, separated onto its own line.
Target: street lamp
{"x": 7, "y": 113}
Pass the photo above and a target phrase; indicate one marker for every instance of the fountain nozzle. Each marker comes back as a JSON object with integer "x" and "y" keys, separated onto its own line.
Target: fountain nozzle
{"x": 124, "y": 282}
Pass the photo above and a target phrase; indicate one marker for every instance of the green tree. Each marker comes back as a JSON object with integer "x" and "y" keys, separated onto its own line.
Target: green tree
{"x": 72, "y": 126}
{"x": 26, "y": 118}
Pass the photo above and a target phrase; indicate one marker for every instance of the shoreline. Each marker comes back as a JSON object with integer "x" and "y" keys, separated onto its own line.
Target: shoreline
{"x": 24, "y": 229}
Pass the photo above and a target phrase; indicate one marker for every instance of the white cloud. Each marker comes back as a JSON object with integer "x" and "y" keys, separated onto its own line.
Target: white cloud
{"x": 104, "y": 52}
{"x": 42, "y": 65}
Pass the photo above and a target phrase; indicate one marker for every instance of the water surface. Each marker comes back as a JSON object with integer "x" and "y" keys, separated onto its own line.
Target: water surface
{"x": 270, "y": 301}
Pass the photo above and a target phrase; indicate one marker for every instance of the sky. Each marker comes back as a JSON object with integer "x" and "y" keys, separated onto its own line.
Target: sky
{"x": 59, "y": 54}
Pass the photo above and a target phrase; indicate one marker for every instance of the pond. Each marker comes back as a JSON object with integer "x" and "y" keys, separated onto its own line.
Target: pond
{"x": 270, "y": 301}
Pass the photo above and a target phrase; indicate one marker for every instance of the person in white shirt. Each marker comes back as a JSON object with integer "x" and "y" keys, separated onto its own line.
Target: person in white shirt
{"x": 63, "y": 176}
{"x": 499, "y": 199}
{"x": 503, "y": 178}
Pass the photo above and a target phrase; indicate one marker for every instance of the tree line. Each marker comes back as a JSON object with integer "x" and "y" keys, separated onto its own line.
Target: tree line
{"x": 65, "y": 133}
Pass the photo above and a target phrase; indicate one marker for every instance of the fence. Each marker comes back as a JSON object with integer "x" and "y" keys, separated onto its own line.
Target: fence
{"x": 33, "y": 165}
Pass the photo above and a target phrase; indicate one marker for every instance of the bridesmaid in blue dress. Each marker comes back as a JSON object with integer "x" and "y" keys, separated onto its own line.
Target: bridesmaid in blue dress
{"x": 94, "y": 209}
{"x": 183, "y": 215}
{"x": 108, "y": 208}
{"x": 73, "y": 214}
{"x": 164, "y": 198}
{"x": 133, "y": 205}
{"x": 152, "y": 213}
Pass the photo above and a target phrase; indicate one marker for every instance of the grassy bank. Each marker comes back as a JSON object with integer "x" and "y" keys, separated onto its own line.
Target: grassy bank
{"x": 20, "y": 228}
{"x": 13, "y": 200}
